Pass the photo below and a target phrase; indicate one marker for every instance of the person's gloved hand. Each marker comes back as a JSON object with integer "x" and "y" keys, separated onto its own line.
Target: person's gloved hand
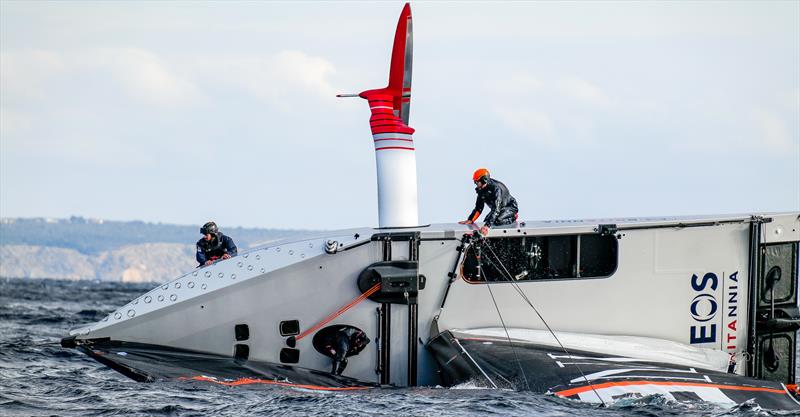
{"x": 466, "y": 222}
{"x": 209, "y": 262}
{"x": 226, "y": 256}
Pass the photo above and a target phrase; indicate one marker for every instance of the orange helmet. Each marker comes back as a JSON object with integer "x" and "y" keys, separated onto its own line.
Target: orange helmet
{"x": 480, "y": 173}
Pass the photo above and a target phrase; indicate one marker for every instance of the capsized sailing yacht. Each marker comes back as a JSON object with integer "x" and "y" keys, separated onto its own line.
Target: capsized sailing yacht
{"x": 697, "y": 308}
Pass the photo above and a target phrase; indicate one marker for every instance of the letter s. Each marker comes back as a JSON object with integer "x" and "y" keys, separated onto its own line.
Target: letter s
{"x": 702, "y": 284}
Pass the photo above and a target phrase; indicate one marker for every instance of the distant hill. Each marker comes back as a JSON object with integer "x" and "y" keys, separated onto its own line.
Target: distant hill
{"x": 92, "y": 236}
{"x": 135, "y": 251}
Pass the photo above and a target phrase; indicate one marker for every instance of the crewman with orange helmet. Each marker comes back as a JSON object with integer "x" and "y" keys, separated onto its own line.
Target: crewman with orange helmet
{"x": 495, "y": 194}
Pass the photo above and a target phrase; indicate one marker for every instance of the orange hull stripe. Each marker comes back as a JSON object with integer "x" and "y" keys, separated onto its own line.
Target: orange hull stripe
{"x": 579, "y": 390}
{"x": 249, "y": 381}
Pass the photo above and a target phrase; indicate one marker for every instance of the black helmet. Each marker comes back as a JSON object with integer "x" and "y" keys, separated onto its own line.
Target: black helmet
{"x": 209, "y": 228}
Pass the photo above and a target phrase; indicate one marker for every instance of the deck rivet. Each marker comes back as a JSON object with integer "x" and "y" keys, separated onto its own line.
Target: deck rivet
{"x": 117, "y": 315}
{"x": 190, "y": 284}
{"x": 177, "y": 285}
{"x": 220, "y": 275}
{"x": 208, "y": 274}
{"x": 204, "y": 286}
{"x": 160, "y": 298}
{"x": 233, "y": 276}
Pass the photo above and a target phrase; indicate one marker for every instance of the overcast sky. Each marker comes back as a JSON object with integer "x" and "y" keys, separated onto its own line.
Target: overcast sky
{"x": 188, "y": 111}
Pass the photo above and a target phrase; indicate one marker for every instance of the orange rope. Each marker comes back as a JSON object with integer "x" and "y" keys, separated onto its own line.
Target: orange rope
{"x": 248, "y": 381}
{"x": 339, "y": 312}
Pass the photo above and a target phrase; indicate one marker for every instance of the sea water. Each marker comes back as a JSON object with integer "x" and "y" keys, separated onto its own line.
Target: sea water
{"x": 39, "y": 378}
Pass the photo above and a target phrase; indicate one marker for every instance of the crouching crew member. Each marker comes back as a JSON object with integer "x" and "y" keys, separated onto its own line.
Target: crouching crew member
{"x": 496, "y": 195}
{"x": 214, "y": 246}
{"x": 347, "y": 341}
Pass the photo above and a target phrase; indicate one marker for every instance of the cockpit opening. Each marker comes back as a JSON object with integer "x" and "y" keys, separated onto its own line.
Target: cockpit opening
{"x": 528, "y": 258}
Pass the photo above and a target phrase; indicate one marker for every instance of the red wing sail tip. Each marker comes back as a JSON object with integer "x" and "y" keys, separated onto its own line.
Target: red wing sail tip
{"x": 399, "y": 88}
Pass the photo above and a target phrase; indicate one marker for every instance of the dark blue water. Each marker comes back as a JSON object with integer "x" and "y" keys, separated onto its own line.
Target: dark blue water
{"x": 39, "y": 378}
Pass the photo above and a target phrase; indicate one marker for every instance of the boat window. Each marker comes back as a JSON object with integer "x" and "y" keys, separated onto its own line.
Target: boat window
{"x": 527, "y": 258}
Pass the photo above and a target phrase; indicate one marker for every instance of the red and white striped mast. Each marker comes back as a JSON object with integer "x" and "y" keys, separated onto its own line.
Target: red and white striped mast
{"x": 395, "y": 156}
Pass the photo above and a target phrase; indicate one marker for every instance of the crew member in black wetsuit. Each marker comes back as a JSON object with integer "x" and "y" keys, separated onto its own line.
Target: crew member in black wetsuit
{"x": 348, "y": 341}
{"x": 496, "y": 195}
{"x": 214, "y": 246}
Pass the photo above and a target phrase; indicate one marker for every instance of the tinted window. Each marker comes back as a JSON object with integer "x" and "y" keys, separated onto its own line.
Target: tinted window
{"x": 541, "y": 257}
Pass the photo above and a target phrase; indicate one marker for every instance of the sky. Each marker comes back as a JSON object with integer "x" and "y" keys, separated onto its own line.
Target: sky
{"x": 183, "y": 112}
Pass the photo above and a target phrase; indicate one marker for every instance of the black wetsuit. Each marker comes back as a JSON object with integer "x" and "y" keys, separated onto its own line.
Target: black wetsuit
{"x": 346, "y": 342}
{"x": 215, "y": 248}
{"x": 503, "y": 205}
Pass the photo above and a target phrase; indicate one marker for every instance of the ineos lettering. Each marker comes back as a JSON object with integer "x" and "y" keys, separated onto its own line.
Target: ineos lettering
{"x": 703, "y": 309}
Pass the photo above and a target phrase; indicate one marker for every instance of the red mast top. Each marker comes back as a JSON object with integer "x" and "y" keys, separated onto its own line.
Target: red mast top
{"x": 399, "y": 88}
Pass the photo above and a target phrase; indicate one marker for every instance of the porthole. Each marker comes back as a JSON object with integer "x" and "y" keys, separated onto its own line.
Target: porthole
{"x": 173, "y": 297}
{"x": 148, "y": 299}
{"x": 160, "y": 298}
{"x": 190, "y": 284}
{"x": 131, "y": 313}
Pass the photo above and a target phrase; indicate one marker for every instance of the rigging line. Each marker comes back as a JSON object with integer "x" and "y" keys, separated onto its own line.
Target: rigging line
{"x": 496, "y": 307}
{"x": 527, "y": 300}
{"x": 341, "y": 311}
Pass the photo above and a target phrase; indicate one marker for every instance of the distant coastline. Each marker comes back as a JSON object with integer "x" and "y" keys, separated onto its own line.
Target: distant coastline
{"x": 78, "y": 248}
